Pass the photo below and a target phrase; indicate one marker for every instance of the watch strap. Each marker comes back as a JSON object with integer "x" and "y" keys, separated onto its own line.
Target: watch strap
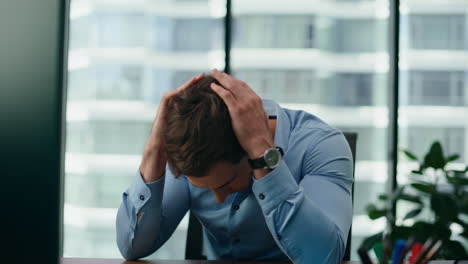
{"x": 260, "y": 163}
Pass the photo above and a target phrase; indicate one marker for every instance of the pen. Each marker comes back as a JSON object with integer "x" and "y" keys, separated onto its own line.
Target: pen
{"x": 415, "y": 251}
{"x": 432, "y": 252}
{"x": 408, "y": 246}
{"x": 398, "y": 249}
{"x": 427, "y": 246}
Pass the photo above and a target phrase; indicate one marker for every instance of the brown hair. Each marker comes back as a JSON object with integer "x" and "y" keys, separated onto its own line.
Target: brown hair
{"x": 199, "y": 131}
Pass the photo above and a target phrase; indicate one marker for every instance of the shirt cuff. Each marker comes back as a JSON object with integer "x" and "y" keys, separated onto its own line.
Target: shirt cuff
{"x": 140, "y": 192}
{"x": 275, "y": 187}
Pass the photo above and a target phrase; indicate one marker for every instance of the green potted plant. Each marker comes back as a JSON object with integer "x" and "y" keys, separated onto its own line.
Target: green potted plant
{"x": 438, "y": 198}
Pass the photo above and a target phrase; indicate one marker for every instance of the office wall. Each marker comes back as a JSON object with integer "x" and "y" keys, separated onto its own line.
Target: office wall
{"x": 31, "y": 92}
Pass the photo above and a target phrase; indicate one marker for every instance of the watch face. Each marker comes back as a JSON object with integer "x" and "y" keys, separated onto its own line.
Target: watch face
{"x": 272, "y": 158}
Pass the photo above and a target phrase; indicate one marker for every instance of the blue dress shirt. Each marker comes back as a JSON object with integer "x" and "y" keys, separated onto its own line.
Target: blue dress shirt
{"x": 300, "y": 211}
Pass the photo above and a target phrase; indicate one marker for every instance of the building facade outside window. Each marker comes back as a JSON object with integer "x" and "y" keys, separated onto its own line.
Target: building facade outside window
{"x": 329, "y": 58}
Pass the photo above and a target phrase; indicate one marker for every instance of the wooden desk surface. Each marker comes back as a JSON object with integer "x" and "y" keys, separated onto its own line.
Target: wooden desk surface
{"x": 120, "y": 261}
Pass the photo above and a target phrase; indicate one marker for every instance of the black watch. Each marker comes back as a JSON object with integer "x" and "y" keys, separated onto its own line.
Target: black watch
{"x": 269, "y": 160}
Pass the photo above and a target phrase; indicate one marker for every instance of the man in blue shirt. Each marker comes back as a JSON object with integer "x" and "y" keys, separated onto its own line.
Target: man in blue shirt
{"x": 267, "y": 183}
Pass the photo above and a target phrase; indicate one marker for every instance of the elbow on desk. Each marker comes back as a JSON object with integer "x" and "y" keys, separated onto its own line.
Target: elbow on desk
{"x": 132, "y": 250}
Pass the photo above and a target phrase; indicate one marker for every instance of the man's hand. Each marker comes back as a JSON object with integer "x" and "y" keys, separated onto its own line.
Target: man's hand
{"x": 249, "y": 119}
{"x": 154, "y": 159}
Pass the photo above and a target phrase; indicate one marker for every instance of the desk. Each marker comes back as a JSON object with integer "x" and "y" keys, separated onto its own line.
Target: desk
{"x": 120, "y": 261}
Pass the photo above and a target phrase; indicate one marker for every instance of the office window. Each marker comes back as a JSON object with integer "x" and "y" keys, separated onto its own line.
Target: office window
{"x": 81, "y": 84}
{"x": 451, "y": 138}
{"x": 123, "y": 56}
{"x": 435, "y": 31}
{"x": 437, "y": 88}
{"x": 119, "y": 82}
{"x": 434, "y": 93}
{"x": 112, "y": 137}
{"x": 344, "y": 35}
{"x": 80, "y": 28}
{"x": 274, "y": 31}
{"x": 355, "y": 89}
{"x": 186, "y": 34}
{"x": 325, "y": 58}
{"x": 312, "y": 61}
{"x": 116, "y": 29}
{"x": 286, "y": 86}
{"x": 198, "y": 34}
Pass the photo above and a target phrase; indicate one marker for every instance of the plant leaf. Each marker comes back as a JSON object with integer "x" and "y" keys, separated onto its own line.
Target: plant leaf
{"x": 463, "y": 204}
{"x": 417, "y": 172}
{"x": 435, "y": 157}
{"x": 410, "y": 155}
{"x": 412, "y": 213}
{"x": 401, "y": 232}
{"x": 444, "y": 206}
{"x": 452, "y": 250}
{"x": 422, "y": 230}
{"x": 383, "y": 197}
{"x": 457, "y": 181}
{"x": 425, "y": 188}
{"x": 369, "y": 242}
{"x": 453, "y": 157}
{"x": 411, "y": 198}
{"x": 375, "y": 213}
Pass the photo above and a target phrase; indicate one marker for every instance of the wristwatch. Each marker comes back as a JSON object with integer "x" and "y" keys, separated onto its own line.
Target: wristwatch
{"x": 269, "y": 160}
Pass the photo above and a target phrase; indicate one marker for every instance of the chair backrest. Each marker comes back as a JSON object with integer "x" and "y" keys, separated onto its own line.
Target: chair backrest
{"x": 352, "y": 140}
{"x": 194, "y": 245}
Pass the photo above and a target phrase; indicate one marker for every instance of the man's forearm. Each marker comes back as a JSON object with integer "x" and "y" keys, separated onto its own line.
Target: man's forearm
{"x": 153, "y": 163}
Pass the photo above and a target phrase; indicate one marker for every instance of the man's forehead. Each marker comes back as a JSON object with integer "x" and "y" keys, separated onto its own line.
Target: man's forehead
{"x": 216, "y": 177}
{"x": 207, "y": 182}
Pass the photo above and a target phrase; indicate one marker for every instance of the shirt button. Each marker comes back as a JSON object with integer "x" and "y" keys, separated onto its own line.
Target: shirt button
{"x": 236, "y": 207}
{"x": 261, "y": 196}
{"x": 236, "y": 241}
{"x": 279, "y": 237}
{"x": 142, "y": 197}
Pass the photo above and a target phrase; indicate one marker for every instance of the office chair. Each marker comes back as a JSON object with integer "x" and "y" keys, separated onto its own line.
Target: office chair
{"x": 194, "y": 245}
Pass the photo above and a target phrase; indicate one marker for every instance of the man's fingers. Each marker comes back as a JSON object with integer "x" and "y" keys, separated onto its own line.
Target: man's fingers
{"x": 224, "y": 79}
{"x": 225, "y": 94}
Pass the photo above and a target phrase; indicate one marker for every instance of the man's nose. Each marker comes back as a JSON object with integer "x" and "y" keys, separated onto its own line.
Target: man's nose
{"x": 220, "y": 197}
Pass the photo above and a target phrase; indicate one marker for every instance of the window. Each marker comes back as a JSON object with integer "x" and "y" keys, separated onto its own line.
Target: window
{"x": 122, "y": 60}
{"x": 311, "y": 60}
{"x": 274, "y": 31}
{"x": 197, "y": 34}
{"x": 355, "y": 35}
{"x": 451, "y": 138}
{"x": 437, "y": 88}
{"x": 324, "y": 57}
{"x": 286, "y": 86}
{"x": 434, "y": 31}
{"x": 355, "y": 89}
{"x": 117, "y": 29}
{"x": 433, "y": 83}
{"x": 119, "y": 82}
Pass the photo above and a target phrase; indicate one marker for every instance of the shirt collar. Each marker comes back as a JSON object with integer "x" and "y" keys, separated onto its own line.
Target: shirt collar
{"x": 283, "y": 123}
